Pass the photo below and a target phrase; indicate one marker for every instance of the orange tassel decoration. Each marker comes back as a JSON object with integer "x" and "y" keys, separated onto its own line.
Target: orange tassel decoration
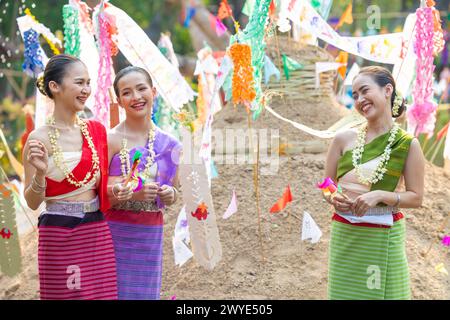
{"x": 243, "y": 90}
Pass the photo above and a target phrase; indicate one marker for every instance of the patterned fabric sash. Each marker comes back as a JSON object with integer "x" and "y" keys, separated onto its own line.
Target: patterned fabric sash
{"x": 374, "y": 149}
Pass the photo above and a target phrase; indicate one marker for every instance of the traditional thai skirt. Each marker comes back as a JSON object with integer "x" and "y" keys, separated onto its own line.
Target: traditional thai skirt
{"x": 368, "y": 262}
{"x": 76, "y": 253}
{"x": 137, "y": 232}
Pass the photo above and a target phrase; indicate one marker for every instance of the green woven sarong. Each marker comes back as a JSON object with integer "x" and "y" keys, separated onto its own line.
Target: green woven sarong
{"x": 370, "y": 263}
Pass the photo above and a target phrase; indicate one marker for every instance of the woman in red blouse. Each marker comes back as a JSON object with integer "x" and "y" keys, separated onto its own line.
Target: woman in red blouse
{"x": 66, "y": 164}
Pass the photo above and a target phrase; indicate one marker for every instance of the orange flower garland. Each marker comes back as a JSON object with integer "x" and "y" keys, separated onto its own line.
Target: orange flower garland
{"x": 243, "y": 90}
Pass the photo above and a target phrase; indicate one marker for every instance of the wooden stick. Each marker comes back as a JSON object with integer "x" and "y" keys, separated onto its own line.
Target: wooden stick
{"x": 256, "y": 183}
{"x": 437, "y": 149}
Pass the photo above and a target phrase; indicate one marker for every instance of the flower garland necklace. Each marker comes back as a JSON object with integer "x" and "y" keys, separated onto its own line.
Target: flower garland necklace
{"x": 124, "y": 155}
{"x": 58, "y": 158}
{"x": 357, "y": 153}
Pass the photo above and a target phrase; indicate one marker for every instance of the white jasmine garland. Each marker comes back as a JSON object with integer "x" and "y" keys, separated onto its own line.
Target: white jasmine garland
{"x": 380, "y": 170}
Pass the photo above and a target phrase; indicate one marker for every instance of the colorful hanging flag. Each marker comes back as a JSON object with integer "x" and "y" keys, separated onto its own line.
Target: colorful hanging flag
{"x": 224, "y": 10}
{"x": 283, "y": 201}
{"x": 11, "y": 261}
{"x": 346, "y": 17}
{"x": 272, "y": 9}
{"x": 220, "y": 27}
{"x": 232, "y": 207}
{"x": 310, "y": 230}
{"x": 290, "y": 64}
{"x": 343, "y": 59}
{"x": 270, "y": 70}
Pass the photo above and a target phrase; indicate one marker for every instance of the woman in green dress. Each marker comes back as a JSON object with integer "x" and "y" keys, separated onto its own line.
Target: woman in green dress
{"x": 380, "y": 168}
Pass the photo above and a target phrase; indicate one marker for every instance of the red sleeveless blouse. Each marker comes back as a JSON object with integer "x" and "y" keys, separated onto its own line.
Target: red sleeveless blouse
{"x": 98, "y": 134}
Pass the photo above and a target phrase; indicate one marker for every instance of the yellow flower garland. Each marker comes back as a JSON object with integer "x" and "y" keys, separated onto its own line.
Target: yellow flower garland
{"x": 53, "y": 136}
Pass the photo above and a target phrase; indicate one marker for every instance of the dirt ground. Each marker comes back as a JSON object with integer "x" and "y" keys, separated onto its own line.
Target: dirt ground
{"x": 291, "y": 269}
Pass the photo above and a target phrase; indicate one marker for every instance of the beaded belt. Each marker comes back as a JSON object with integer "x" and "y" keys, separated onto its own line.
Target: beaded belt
{"x": 132, "y": 205}
{"x": 377, "y": 211}
{"x": 73, "y": 209}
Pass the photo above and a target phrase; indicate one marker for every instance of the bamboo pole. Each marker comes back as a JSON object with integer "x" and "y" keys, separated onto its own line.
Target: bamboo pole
{"x": 256, "y": 183}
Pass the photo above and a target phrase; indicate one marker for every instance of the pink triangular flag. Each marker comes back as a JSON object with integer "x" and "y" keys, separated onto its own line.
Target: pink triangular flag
{"x": 232, "y": 208}
{"x": 220, "y": 27}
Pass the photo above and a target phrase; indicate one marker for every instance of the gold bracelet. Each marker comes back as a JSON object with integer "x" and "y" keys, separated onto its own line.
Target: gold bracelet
{"x": 112, "y": 190}
{"x": 175, "y": 196}
{"x": 36, "y": 191}
{"x": 42, "y": 187}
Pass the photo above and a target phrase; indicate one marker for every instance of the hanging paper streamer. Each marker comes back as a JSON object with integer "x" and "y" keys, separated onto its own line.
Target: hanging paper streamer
{"x": 232, "y": 207}
{"x": 46, "y": 34}
{"x": 220, "y": 27}
{"x": 383, "y": 48}
{"x": 253, "y": 35}
{"x": 190, "y": 14}
{"x": 323, "y": 7}
{"x": 181, "y": 239}
{"x": 438, "y": 36}
{"x": 32, "y": 64}
{"x": 84, "y": 14}
{"x": 310, "y": 230}
{"x": 10, "y": 262}
{"x": 206, "y": 145}
{"x": 270, "y": 70}
{"x": 89, "y": 52}
{"x": 140, "y": 51}
{"x": 44, "y": 105}
{"x": 107, "y": 48}
{"x": 290, "y": 64}
{"x": 350, "y": 121}
{"x": 402, "y": 72}
{"x": 206, "y": 70}
{"x": 164, "y": 42}
{"x": 422, "y": 114}
{"x": 283, "y": 201}
{"x": 243, "y": 89}
{"x": 71, "y": 31}
{"x": 204, "y": 233}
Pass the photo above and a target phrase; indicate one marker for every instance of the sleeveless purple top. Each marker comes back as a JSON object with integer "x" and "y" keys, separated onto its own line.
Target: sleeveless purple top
{"x": 167, "y": 155}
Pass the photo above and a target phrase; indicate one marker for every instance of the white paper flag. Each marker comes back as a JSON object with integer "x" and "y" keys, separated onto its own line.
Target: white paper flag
{"x": 310, "y": 230}
{"x": 181, "y": 227}
{"x": 354, "y": 70}
{"x": 324, "y": 67}
{"x": 232, "y": 208}
{"x": 181, "y": 251}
